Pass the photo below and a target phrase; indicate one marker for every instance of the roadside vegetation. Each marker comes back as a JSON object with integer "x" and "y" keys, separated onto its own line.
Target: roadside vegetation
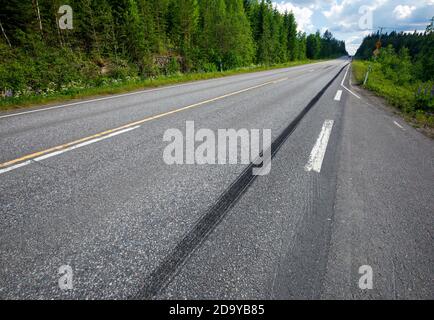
{"x": 403, "y": 73}
{"x": 118, "y": 86}
{"x": 121, "y": 45}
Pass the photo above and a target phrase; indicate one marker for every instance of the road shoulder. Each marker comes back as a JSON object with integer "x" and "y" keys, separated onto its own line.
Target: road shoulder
{"x": 379, "y": 102}
{"x": 383, "y": 207}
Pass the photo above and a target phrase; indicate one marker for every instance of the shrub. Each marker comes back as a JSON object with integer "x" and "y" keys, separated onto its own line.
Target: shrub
{"x": 396, "y": 67}
{"x": 209, "y": 67}
{"x": 173, "y": 66}
{"x": 424, "y": 97}
{"x": 392, "y": 77}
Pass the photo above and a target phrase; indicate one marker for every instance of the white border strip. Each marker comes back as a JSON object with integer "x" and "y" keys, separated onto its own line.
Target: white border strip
{"x": 288, "y": 69}
{"x": 56, "y": 153}
{"x": 343, "y": 86}
{"x": 398, "y": 125}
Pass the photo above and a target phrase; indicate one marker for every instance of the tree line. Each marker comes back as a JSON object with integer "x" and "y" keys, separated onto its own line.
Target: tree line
{"x": 402, "y": 70}
{"x": 415, "y": 49}
{"x": 121, "y": 38}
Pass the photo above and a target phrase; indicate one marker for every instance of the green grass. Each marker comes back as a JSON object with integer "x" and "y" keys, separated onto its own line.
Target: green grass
{"x": 359, "y": 70}
{"x": 123, "y": 87}
{"x": 403, "y": 97}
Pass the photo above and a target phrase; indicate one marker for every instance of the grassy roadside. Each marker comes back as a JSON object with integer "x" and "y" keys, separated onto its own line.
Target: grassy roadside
{"x": 406, "y": 98}
{"x": 123, "y": 87}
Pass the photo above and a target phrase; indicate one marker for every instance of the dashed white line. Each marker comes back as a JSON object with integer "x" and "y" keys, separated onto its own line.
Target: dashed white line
{"x": 398, "y": 125}
{"x": 338, "y": 95}
{"x": 318, "y": 152}
{"x": 56, "y": 153}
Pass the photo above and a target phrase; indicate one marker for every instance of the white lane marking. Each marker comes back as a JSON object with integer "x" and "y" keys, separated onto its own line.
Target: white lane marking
{"x": 351, "y": 92}
{"x": 131, "y": 125}
{"x": 338, "y": 95}
{"x": 343, "y": 86}
{"x": 22, "y": 164}
{"x": 397, "y": 124}
{"x": 280, "y": 80}
{"x": 56, "y": 153}
{"x": 95, "y": 100}
{"x": 318, "y": 152}
{"x": 345, "y": 76}
{"x": 84, "y": 144}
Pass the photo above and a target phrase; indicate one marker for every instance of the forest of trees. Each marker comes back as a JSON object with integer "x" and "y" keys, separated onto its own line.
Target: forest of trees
{"x": 402, "y": 71}
{"x": 417, "y": 48}
{"x": 118, "y": 39}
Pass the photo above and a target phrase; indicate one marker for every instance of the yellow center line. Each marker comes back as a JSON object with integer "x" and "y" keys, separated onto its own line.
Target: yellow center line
{"x": 132, "y": 124}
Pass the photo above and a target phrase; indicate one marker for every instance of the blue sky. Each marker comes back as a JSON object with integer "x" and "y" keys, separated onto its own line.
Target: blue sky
{"x": 350, "y": 20}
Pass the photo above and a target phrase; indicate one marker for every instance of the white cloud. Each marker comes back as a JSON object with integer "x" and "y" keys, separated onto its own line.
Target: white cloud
{"x": 378, "y": 3}
{"x": 335, "y": 9}
{"x": 303, "y": 15}
{"x": 403, "y": 11}
{"x": 342, "y": 17}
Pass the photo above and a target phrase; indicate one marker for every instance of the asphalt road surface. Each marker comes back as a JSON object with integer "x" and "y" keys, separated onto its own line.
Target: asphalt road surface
{"x": 85, "y": 185}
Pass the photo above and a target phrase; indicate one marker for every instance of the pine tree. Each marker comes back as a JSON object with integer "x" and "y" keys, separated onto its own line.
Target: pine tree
{"x": 313, "y": 46}
{"x": 135, "y": 35}
{"x": 264, "y": 33}
{"x": 291, "y": 26}
{"x": 301, "y": 45}
{"x": 212, "y": 39}
{"x": 184, "y": 27}
{"x": 159, "y": 9}
{"x": 430, "y": 27}
{"x": 239, "y": 49}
